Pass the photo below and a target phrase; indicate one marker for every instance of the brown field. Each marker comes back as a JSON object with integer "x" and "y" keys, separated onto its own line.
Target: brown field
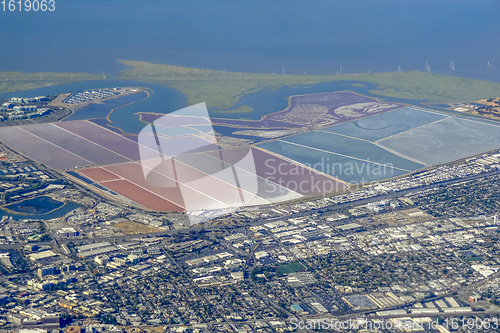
{"x": 99, "y": 174}
{"x": 150, "y": 329}
{"x": 130, "y": 227}
{"x": 491, "y": 110}
{"x": 416, "y": 215}
{"x": 142, "y": 196}
{"x": 402, "y": 217}
{"x": 495, "y": 102}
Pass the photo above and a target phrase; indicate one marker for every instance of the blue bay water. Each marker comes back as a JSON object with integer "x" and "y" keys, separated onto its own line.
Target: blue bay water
{"x": 162, "y": 99}
{"x": 300, "y": 36}
{"x": 251, "y": 36}
{"x": 257, "y": 36}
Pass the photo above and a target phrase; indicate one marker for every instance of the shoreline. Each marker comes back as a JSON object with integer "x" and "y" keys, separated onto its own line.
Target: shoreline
{"x": 408, "y": 85}
{"x": 121, "y": 106}
{"x": 100, "y": 101}
{"x": 140, "y": 90}
{"x": 264, "y": 117}
{"x": 76, "y": 107}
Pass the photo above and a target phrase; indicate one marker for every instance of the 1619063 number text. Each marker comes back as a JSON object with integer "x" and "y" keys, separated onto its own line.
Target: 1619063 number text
{"x": 28, "y": 5}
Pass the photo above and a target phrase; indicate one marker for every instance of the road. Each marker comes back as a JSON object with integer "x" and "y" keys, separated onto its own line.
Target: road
{"x": 261, "y": 221}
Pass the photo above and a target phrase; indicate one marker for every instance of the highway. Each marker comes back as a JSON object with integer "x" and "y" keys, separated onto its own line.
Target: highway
{"x": 116, "y": 239}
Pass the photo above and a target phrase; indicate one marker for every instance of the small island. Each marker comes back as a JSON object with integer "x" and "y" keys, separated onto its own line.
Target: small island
{"x": 83, "y": 98}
